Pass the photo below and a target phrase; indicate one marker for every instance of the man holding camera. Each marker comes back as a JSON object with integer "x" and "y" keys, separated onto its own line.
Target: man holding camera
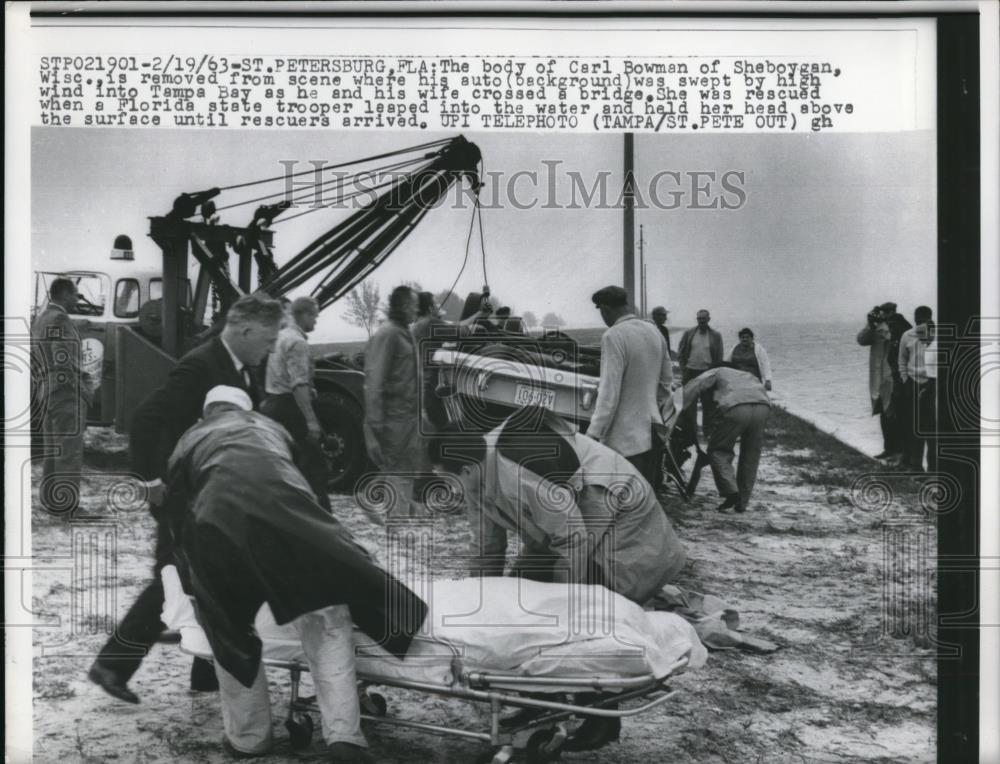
{"x": 883, "y": 329}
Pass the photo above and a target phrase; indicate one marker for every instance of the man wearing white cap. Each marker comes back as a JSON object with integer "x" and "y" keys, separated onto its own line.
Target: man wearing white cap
{"x": 225, "y": 398}
{"x": 251, "y": 329}
{"x": 249, "y": 530}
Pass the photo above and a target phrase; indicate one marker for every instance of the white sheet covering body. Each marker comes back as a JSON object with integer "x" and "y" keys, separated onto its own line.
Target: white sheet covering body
{"x": 495, "y": 625}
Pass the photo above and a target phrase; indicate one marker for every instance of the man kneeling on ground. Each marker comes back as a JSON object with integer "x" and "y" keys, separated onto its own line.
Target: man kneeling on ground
{"x": 248, "y": 530}
{"x": 584, "y": 514}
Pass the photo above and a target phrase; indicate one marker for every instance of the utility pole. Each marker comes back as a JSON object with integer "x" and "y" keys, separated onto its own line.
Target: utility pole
{"x": 642, "y": 273}
{"x": 629, "y": 233}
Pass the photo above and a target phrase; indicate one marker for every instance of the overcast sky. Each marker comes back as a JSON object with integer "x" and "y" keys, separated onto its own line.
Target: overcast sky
{"x": 827, "y": 225}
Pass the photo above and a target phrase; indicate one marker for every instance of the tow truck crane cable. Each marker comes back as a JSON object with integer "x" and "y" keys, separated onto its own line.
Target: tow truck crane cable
{"x": 482, "y": 241}
{"x": 310, "y": 190}
{"x": 338, "y": 200}
{"x": 476, "y": 212}
{"x": 411, "y": 149}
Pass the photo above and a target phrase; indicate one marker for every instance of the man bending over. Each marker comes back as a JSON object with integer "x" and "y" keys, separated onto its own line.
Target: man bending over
{"x": 249, "y": 530}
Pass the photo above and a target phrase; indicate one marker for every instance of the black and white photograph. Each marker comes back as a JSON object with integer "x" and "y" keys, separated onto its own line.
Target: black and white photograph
{"x": 441, "y": 384}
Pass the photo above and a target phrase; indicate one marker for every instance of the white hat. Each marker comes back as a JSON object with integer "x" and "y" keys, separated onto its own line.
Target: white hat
{"x": 228, "y": 394}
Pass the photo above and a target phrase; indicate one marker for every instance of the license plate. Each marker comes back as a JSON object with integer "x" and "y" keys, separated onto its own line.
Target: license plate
{"x": 524, "y": 395}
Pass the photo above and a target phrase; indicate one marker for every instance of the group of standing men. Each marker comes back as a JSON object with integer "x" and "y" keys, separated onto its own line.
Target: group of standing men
{"x": 902, "y": 381}
{"x": 634, "y": 395}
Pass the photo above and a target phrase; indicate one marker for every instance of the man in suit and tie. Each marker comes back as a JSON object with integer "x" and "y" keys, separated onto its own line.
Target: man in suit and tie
{"x": 68, "y": 392}
{"x": 634, "y": 391}
{"x": 252, "y": 326}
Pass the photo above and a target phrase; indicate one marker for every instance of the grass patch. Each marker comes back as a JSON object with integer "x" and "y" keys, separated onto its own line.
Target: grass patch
{"x": 790, "y": 433}
{"x": 55, "y": 689}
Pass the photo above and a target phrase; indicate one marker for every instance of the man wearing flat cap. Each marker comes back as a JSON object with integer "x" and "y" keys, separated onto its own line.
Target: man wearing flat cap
{"x": 634, "y": 391}
{"x": 883, "y": 329}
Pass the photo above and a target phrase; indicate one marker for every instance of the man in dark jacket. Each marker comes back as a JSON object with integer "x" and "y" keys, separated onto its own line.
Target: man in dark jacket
{"x": 249, "y": 530}
{"x": 899, "y": 422}
{"x": 700, "y": 349}
{"x": 252, "y": 326}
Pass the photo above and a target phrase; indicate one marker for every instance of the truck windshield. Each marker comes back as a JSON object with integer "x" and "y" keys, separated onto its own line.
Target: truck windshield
{"x": 92, "y": 295}
{"x": 92, "y": 290}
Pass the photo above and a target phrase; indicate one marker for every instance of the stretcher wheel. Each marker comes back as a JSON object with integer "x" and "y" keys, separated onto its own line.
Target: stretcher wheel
{"x": 300, "y": 730}
{"x": 375, "y": 704}
{"x": 540, "y": 749}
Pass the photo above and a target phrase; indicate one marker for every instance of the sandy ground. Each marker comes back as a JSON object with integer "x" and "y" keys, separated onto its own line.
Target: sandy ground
{"x": 834, "y": 564}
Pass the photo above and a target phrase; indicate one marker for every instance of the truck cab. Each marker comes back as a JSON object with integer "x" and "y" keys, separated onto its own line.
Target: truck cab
{"x": 108, "y": 301}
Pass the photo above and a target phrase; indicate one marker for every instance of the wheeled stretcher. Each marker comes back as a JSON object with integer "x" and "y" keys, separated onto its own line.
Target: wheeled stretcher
{"x": 570, "y": 652}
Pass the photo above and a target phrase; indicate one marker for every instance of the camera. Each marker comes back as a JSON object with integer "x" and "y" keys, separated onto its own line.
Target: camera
{"x": 876, "y": 316}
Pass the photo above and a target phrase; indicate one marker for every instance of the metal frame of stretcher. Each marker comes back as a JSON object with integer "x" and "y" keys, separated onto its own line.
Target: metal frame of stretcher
{"x": 542, "y": 737}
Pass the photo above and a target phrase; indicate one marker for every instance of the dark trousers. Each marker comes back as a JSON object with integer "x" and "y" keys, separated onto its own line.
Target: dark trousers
{"x": 649, "y": 465}
{"x": 895, "y": 419}
{"x": 919, "y": 424}
{"x": 311, "y": 461}
{"x": 744, "y": 423}
{"x": 141, "y": 626}
{"x": 890, "y": 436}
{"x": 688, "y": 419}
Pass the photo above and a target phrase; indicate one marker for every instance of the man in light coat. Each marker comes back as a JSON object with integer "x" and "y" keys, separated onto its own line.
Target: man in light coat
{"x": 392, "y": 403}
{"x": 882, "y": 333}
{"x": 67, "y": 391}
{"x": 634, "y": 390}
{"x": 583, "y": 513}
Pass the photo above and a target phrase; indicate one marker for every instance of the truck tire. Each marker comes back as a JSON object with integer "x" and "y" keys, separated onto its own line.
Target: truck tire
{"x": 343, "y": 440}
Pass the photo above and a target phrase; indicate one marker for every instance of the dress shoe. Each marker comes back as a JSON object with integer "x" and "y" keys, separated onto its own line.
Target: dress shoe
{"x": 111, "y": 683}
{"x": 238, "y": 754}
{"x": 348, "y": 753}
{"x": 595, "y": 732}
{"x": 732, "y": 500}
